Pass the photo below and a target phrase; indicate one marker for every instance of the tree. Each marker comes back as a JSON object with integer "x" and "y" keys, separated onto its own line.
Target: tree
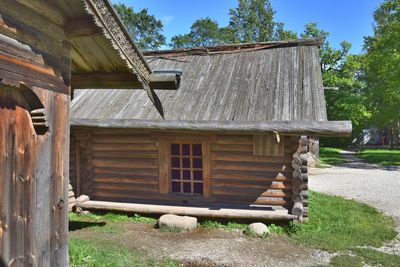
{"x": 282, "y": 34}
{"x": 203, "y": 32}
{"x": 252, "y": 21}
{"x": 382, "y": 68}
{"x": 341, "y": 69}
{"x": 144, "y": 28}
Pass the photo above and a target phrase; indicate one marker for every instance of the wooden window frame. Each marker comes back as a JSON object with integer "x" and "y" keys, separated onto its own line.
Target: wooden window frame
{"x": 164, "y": 145}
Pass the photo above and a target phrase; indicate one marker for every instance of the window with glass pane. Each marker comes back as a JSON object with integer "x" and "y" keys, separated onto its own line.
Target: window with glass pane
{"x": 186, "y": 168}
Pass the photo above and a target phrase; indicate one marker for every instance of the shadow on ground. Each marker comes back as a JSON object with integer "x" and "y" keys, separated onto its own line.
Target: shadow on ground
{"x": 352, "y": 161}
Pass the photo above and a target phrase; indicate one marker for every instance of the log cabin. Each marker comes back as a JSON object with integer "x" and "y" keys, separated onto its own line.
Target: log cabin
{"x": 48, "y": 49}
{"x": 233, "y": 143}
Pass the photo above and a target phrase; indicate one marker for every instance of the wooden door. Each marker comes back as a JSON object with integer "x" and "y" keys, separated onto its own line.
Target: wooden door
{"x": 17, "y": 195}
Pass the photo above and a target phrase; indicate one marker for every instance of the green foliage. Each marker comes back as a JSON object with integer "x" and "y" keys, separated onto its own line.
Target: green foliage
{"x": 144, "y": 28}
{"x": 339, "y": 224}
{"x": 341, "y": 69}
{"x": 251, "y": 21}
{"x": 329, "y": 155}
{"x": 381, "y": 156}
{"x": 99, "y": 253}
{"x": 382, "y": 65}
{"x": 203, "y": 32}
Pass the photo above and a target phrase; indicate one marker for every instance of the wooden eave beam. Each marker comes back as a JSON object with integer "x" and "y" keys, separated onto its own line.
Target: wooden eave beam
{"x": 123, "y": 80}
{"x": 105, "y": 81}
{"x": 311, "y": 128}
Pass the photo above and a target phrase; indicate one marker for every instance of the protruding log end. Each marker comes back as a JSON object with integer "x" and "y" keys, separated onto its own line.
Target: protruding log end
{"x": 297, "y": 209}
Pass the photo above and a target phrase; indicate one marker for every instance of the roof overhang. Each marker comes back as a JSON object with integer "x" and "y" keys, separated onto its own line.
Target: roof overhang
{"x": 311, "y": 128}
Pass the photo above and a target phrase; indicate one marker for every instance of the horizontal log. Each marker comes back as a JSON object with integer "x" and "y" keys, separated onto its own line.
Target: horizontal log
{"x": 132, "y": 181}
{"x": 125, "y": 171}
{"x": 235, "y": 139}
{"x": 132, "y": 188}
{"x": 143, "y": 154}
{"x": 247, "y": 157}
{"x": 249, "y": 166}
{"x": 233, "y": 184}
{"x": 315, "y": 128}
{"x": 273, "y": 201}
{"x": 122, "y": 138}
{"x": 123, "y": 147}
{"x": 232, "y": 148}
{"x": 256, "y": 176}
{"x": 191, "y": 211}
{"x": 131, "y": 163}
{"x": 120, "y": 80}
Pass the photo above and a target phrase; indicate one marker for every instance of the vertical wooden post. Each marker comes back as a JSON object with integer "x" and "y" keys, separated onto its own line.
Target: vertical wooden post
{"x": 164, "y": 172}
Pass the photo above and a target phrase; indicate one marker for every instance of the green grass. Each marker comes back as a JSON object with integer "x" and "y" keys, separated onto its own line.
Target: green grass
{"x": 331, "y": 156}
{"x": 99, "y": 253}
{"x": 111, "y": 217}
{"x": 362, "y": 256}
{"x": 339, "y": 224}
{"x": 381, "y": 156}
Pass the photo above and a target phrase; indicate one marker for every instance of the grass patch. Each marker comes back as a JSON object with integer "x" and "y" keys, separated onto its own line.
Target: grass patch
{"x": 331, "y": 156}
{"x": 339, "y": 224}
{"x": 96, "y": 253}
{"x": 381, "y": 156}
{"x": 111, "y": 217}
{"x": 377, "y": 258}
{"x": 221, "y": 225}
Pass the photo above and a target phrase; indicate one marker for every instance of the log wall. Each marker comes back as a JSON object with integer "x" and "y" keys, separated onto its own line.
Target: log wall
{"x": 125, "y": 167}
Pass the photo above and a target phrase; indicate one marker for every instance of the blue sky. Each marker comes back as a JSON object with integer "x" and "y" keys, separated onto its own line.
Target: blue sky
{"x": 348, "y": 20}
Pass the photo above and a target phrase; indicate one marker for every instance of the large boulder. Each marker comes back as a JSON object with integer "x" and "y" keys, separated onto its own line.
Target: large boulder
{"x": 173, "y": 222}
{"x": 258, "y": 229}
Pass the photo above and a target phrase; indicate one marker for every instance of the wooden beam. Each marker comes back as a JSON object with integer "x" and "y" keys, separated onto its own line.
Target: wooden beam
{"x": 123, "y": 80}
{"x": 81, "y": 27}
{"x": 45, "y": 9}
{"x": 312, "y": 128}
{"x": 212, "y": 211}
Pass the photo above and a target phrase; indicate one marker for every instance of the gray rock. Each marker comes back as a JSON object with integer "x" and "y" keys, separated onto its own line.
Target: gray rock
{"x": 259, "y": 229}
{"x": 81, "y": 199}
{"x": 173, "y": 222}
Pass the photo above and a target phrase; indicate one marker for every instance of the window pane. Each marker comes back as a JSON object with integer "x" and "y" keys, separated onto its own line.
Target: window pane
{"x": 196, "y": 150}
{"x": 175, "y": 149}
{"x": 186, "y": 150}
{"x": 198, "y": 188}
{"x": 186, "y": 162}
{"x": 197, "y": 163}
{"x": 186, "y": 175}
{"x": 176, "y": 187}
{"x": 176, "y": 174}
{"x": 197, "y": 175}
{"x": 186, "y": 188}
{"x": 175, "y": 163}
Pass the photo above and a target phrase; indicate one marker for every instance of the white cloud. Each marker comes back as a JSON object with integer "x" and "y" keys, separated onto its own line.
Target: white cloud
{"x": 167, "y": 19}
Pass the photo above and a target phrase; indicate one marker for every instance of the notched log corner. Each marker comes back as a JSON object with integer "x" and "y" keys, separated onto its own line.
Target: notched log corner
{"x": 39, "y": 121}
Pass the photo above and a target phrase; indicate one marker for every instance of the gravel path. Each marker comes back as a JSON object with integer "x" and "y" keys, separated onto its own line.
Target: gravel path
{"x": 363, "y": 182}
{"x": 368, "y": 183}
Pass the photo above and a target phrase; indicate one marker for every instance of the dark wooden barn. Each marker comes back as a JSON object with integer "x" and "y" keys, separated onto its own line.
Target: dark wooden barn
{"x": 47, "y": 49}
{"x": 233, "y": 142}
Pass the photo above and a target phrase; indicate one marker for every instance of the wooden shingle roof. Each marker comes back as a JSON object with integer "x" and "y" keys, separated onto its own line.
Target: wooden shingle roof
{"x": 259, "y": 82}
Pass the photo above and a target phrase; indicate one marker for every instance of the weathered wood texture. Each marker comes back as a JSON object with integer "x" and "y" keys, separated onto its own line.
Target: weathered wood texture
{"x": 274, "y": 83}
{"x": 300, "y": 179}
{"x": 34, "y": 168}
{"x": 127, "y": 166}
